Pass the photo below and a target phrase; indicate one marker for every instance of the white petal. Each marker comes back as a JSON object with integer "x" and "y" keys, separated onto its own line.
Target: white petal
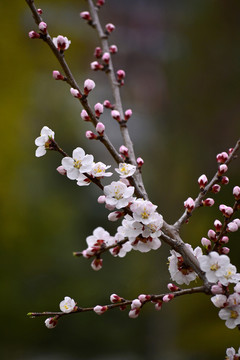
{"x": 40, "y": 151}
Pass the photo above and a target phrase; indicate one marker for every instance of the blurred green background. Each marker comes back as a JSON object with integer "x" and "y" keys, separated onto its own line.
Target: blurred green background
{"x": 182, "y": 63}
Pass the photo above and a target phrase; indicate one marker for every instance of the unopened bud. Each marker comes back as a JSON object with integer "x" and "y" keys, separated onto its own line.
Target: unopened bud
{"x": 140, "y": 162}
{"x": 84, "y": 115}
{"x": 115, "y": 215}
{"x": 90, "y": 135}
{"x": 113, "y": 49}
{"x": 100, "y": 128}
{"x": 224, "y": 180}
{"x": 216, "y": 188}
{"x": 42, "y": 27}
{"x": 57, "y": 75}
{"x": 222, "y": 157}
{"x": 121, "y": 74}
{"x": 143, "y": 297}
{"x": 168, "y": 297}
{"x": 89, "y": 85}
{"x": 101, "y": 199}
{"x": 61, "y": 170}
{"x": 39, "y": 11}
{"x": 115, "y": 115}
{"x": 133, "y": 314}
{"x": 236, "y": 192}
{"x": 222, "y": 169}
{"x": 98, "y": 52}
{"x": 224, "y": 240}
{"x": 97, "y": 264}
{"x": 232, "y": 227}
{"x": 123, "y": 150}
{"x": 189, "y": 204}
{"x": 225, "y": 250}
{"x": 75, "y": 93}
{"x": 110, "y": 28}
{"x": 127, "y": 114}
{"x": 106, "y": 57}
{"x": 85, "y": 15}
{"x": 51, "y": 322}
{"x": 208, "y": 202}
{"x": 173, "y": 287}
{"x": 218, "y": 225}
{"x": 98, "y": 109}
{"x": 211, "y": 234}
{"x": 96, "y": 66}
{"x": 114, "y": 298}
{"x": 202, "y": 181}
{"x": 99, "y": 310}
{"x": 33, "y": 35}
{"x": 107, "y": 104}
{"x": 206, "y": 243}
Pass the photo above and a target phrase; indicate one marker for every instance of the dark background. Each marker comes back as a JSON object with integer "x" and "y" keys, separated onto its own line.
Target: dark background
{"x": 182, "y": 64}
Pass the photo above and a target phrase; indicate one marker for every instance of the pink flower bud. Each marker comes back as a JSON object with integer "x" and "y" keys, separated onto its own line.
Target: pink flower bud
{"x": 133, "y": 314}
{"x": 123, "y": 150}
{"x": 173, "y": 287}
{"x": 168, "y": 297}
{"x": 106, "y": 57}
{"x": 216, "y": 188}
{"x": 222, "y": 157}
{"x": 158, "y": 305}
{"x": 110, "y": 28}
{"x": 208, "y": 202}
{"x": 236, "y": 192}
{"x": 33, "y": 35}
{"x": 39, "y": 11}
{"x": 75, "y": 93}
{"x": 224, "y": 180}
{"x": 42, "y": 27}
{"x": 224, "y": 240}
{"x": 89, "y": 85}
{"x": 98, "y": 109}
{"x": 51, "y": 323}
{"x": 61, "y": 170}
{"x": 127, "y": 114}
{"x": 206, "y": 243}
{"x": 98, "y": 52}
{"x": 230, "y": 150}
{"x": 110, "y": 207}
{"x": 225, "y": 250}
{"x": 143, "y": 297}
{"x": 202, "y": 181}
{"x": 61, "y": 42}
{"x": 96, "y": 66}
{"x": 222, "y": 169}
{"x": 99, "y": 310}
{"x": 100, "y": 128}
{"x": 101, "y": 199}
{"x": 57, "y": 75}
{"x": 113, "y": 49}
{"x": 97, "y": 264}
{"x": 114, "y": 298}
{"x": 85, "y": 15}
{"x": 136, "y": 304}
{"x": 237, "y": 221}
{"x": 232, "y": 227}
{"x": 90, "y": 135}
{"x": 140, "y": 162}
{"x": 114, "y": 216}
{"x": 217, "y": 289}
{"x": 115, "y": 115}
{"x": 100, "y": 3}
{"x": 85, "y": 116}
{"x": 211, "y": 234}
{"x": 189, "y": 204}
{"x": 218, "y": 225}
{"x": 121, "y": 74}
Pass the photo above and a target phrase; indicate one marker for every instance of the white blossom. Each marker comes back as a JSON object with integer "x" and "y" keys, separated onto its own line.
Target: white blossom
{"x": 79, "y": 163}
{"x": 67, "y": 305}
{"x": 231, "y": 315}
{"x": 125, "y": 170}
{"x": 99, "y": 237}
{"x": 219, "y": 300}
{"x": 42, "y": 141}
{"x": 118, "y": 194}
{"x": 143, "y": 210}
{"x": 214, "y": 265}
{"x": 99, "y": 170}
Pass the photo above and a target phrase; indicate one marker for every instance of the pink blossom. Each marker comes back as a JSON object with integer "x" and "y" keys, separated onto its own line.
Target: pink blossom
{"x": 61, "y": 42}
